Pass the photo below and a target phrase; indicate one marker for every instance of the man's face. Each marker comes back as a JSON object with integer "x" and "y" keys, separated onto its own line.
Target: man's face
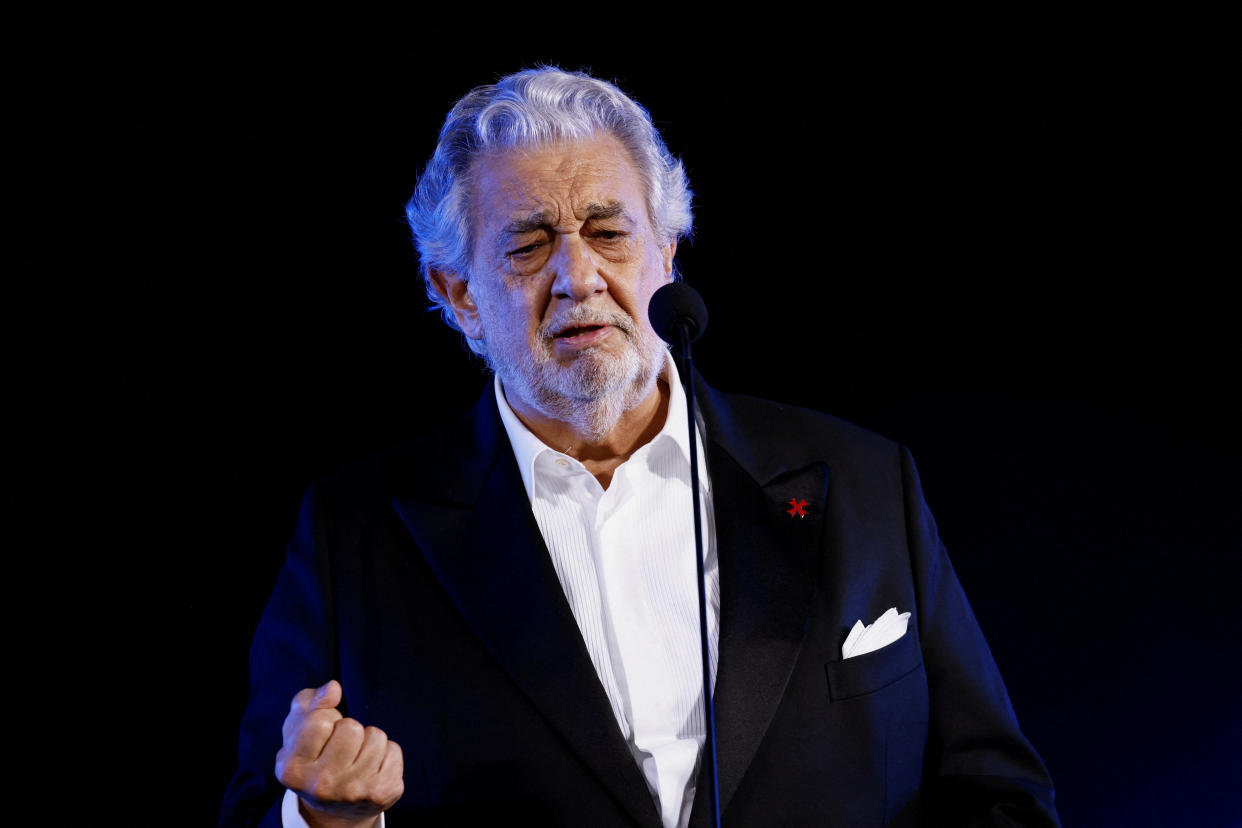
{"x": 565, "y": 262}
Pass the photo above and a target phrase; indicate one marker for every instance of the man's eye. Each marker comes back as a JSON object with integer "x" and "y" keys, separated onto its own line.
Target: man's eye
{"x": 524, "y": 250}
{"x": 608, "y": 235}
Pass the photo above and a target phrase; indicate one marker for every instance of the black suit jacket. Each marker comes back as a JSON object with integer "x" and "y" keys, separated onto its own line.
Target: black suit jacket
{"x": 421, "y": 581}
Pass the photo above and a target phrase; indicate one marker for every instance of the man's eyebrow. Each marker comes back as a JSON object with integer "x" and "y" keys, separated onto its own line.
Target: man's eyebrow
{"x": 541, "y": 219}
{"x": 536, "y": 220}
{"x": 612, "y": 209}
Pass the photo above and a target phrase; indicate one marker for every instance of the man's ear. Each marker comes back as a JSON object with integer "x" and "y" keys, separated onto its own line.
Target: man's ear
{"x": 455, "y": 290}
{"x": 670, "y": 250}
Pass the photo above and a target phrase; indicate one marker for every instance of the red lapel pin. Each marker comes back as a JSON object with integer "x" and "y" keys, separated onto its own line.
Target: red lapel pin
{"x": 798, "y": 509}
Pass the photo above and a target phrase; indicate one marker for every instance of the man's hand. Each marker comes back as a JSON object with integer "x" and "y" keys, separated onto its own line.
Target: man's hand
{"x": 345, "y": 774}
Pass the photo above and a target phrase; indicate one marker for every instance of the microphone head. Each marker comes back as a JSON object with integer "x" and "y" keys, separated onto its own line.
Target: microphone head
{"x": 675, "y": 305}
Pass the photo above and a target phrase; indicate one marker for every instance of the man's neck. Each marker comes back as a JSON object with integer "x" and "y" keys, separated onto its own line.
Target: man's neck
{"x": 601, "y": 455}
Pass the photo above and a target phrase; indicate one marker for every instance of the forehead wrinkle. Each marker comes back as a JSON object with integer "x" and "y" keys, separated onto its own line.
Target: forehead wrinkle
{"x": 566, "y": 171}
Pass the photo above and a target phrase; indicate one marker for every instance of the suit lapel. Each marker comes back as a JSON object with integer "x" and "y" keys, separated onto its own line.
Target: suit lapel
{"x": 487, "y": 551}
{"x": 476, "y": 530}
{"x": 767, "y": 577}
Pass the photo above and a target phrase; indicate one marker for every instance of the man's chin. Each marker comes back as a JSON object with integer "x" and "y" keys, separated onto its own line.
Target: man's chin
{"x": 592, "y": 378}
{"x": 590, "y": 390}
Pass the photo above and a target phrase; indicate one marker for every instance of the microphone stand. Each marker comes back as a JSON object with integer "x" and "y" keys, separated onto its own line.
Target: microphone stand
{"x": 686, "y": 368}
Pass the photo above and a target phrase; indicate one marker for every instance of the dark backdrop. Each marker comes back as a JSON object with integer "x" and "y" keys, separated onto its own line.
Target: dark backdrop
{"x": 1010, "y": 242}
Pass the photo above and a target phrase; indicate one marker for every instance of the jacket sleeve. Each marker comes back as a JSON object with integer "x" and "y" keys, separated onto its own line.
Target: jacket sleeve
{"x": 980, "y": 769}
{"x": 294, "y": 647}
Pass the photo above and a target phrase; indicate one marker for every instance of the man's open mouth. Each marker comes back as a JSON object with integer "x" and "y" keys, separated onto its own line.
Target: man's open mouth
{"x": 576, "y": 331}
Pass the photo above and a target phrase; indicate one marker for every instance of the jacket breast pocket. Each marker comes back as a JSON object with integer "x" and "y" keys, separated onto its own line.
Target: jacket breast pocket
{"x": 875, "y": 670}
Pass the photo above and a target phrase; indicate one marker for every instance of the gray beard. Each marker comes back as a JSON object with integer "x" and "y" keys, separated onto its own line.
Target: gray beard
{"x": 593, "y": 392}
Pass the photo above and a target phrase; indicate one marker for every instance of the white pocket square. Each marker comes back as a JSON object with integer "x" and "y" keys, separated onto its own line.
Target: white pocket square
{"x": 864, "y": 638}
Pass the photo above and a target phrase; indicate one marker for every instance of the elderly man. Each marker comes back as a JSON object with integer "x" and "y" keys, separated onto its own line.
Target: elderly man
{"x": 512, "y": 598}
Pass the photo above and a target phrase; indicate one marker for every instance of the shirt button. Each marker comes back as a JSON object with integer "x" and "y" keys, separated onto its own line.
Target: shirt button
{"x": 562, "y": 462}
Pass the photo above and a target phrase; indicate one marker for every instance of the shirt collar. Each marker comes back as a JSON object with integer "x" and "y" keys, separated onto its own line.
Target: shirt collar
{"x": 527, "y": 447}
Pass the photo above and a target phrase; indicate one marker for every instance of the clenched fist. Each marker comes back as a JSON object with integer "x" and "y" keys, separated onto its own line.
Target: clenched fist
{"x": 345, "y": 774}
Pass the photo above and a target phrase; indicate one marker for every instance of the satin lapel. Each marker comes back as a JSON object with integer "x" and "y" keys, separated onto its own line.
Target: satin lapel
{"x": 767, "y": 577}
{"x": 490, "y": 557}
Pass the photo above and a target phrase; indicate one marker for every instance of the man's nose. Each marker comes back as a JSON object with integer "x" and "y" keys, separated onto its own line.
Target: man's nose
{"x": 576, "y": 275}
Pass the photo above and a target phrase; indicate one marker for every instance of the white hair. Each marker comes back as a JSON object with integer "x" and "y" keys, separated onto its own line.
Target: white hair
{"x": 535, "y": 107}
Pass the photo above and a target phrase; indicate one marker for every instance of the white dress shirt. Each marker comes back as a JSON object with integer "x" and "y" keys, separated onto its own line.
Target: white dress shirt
{"x": 625, "y": 559}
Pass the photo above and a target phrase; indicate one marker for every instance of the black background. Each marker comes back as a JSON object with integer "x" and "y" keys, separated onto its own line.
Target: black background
{"x": 1009, "y": 241}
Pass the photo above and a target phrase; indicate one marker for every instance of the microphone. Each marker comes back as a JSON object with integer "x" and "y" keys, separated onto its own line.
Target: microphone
{"x": 674, "y": 308}
{"x": 679, "y": 317}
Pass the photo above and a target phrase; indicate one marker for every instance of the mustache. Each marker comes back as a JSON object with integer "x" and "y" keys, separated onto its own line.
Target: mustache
{"x": 582, "y": 316}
